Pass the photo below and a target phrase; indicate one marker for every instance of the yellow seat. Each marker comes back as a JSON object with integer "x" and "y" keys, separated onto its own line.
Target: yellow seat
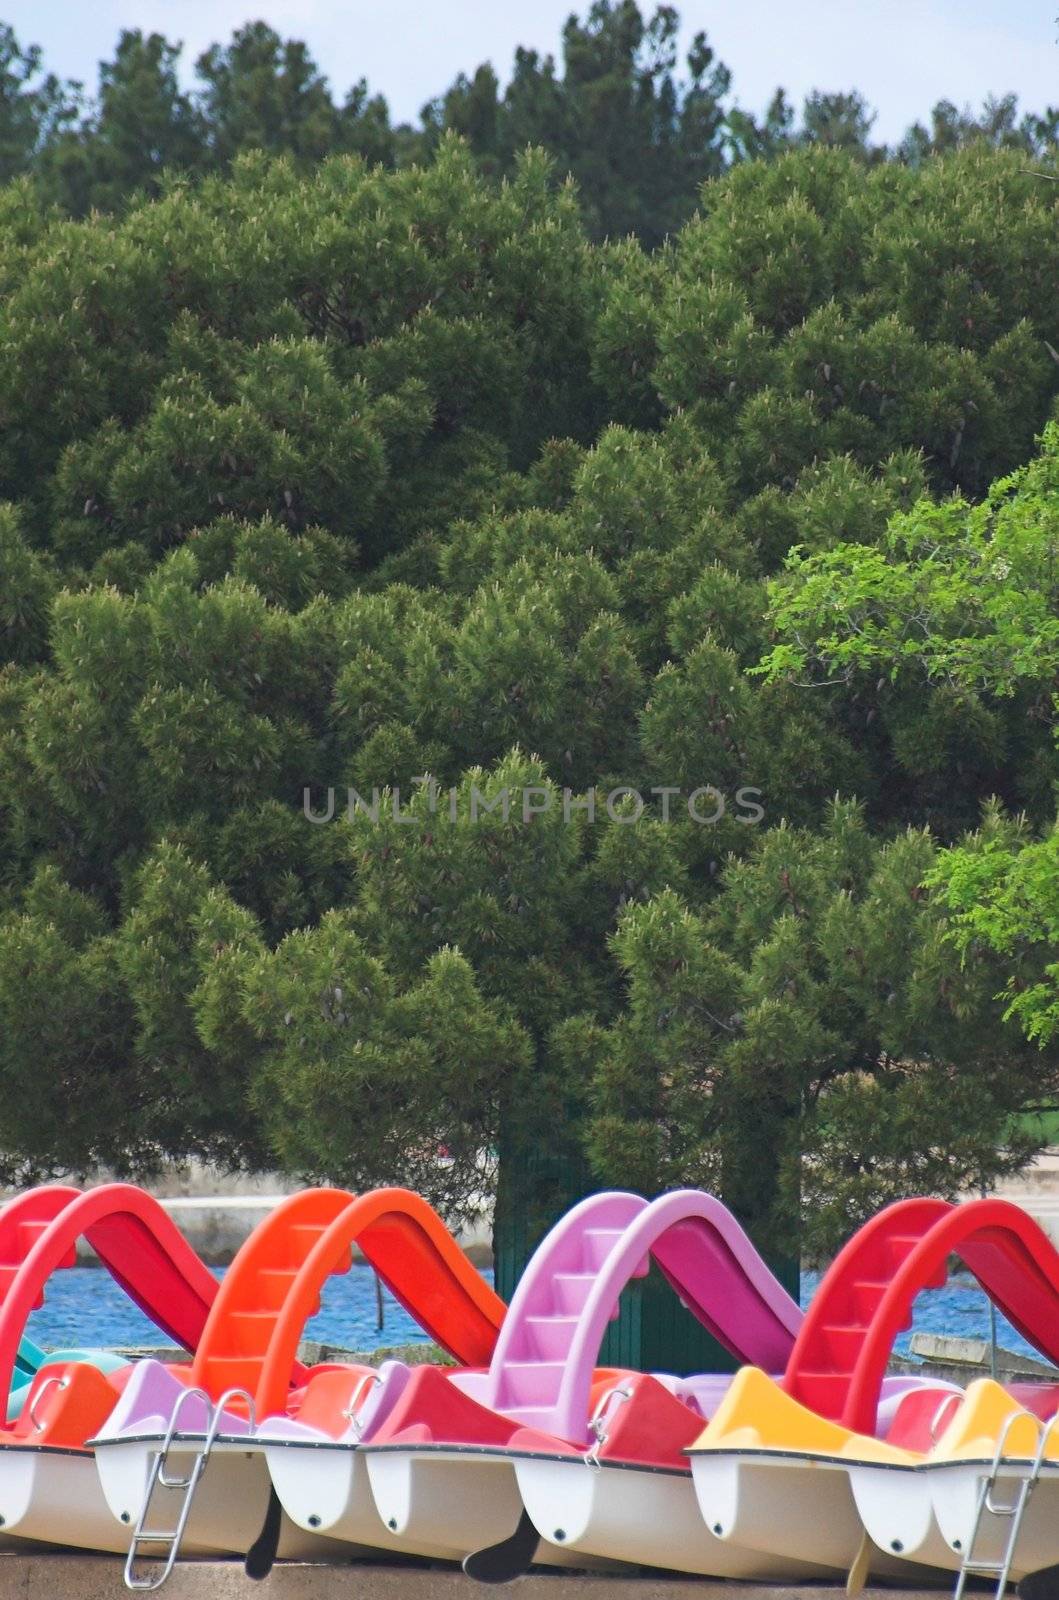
{"x": 757, "y": 1414}
{"x": 978, "y": 1422}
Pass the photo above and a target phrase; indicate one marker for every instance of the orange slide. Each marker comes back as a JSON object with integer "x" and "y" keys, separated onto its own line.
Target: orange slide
{"x": 248, "y": 1351}
{"x": 273, "y": 1287}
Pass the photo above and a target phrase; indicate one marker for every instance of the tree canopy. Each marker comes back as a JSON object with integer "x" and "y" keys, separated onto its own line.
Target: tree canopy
{"x": 638, "y": 123}
{"x": 593, "y": 570}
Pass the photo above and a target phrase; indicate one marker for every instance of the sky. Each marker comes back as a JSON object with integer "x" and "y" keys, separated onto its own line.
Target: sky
{"x": 902, "y": 55}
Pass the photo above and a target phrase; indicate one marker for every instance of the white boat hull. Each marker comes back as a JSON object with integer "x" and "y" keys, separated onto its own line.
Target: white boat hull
{"x": 800, "y": 1508}
{"x": 54, "y": 1497}
{"x": 449, "y": 1503}
{"x": 895, "y": 1506}
{"x": 954, "y": 1492}
{"x": 230, "y": 1501}
{"x": 443, "y": 1504}
{"x": 639, "y": 1516}
{"x": 326, "y": 1491}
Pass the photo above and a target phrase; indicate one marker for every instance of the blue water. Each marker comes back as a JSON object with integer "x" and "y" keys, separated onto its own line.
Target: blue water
{"x": 85, "y": 1306}
{"x": 960, "y": 1309}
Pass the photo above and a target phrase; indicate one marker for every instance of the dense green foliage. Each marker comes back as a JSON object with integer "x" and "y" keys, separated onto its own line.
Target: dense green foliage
{"x": 1002, "y": 886}
{"x": 636, "y": 127}
{"x": 963, "y": 602}
{"x": 367, "y": 477}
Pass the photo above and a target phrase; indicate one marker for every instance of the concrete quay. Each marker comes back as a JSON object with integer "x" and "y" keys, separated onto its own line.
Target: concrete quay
{"x": 216, "y": 1211}
{"x": 215, "y": 1225}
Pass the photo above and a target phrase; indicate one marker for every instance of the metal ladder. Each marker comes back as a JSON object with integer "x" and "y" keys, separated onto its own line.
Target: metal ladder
{"x": 1015, "y": 1509}
{"x": 168, "y": 1540}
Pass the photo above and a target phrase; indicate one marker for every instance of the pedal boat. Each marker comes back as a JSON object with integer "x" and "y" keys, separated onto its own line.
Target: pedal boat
{"x": 158, "y": 1413}
{"x": 1008, "y": 1440}
{"x": 772, "y": 1476}
{"x": 628, "y": 1493}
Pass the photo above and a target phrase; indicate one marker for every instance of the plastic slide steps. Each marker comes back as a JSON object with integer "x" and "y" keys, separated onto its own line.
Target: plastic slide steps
{"x": 249, "y": 1344}
{"x": 22, "y": 1221}
{"x": 750, "y": 1463}
{"x": 48, "y": 1485}
{"x": 27, "y": 1215}
{"x": 865, "y": 1298}
{"x": 447, "y": 1466}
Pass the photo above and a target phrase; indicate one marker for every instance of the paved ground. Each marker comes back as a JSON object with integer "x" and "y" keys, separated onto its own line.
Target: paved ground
{"x": 61, "y": 1577}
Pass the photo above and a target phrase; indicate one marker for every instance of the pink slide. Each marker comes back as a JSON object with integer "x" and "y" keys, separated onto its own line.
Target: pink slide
{"x": 543, "y": 1395}
{"x": 542, "y": 1369}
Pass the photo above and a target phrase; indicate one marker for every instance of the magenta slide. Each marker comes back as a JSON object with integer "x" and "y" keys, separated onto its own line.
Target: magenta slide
{"x": 543, "y": 1365}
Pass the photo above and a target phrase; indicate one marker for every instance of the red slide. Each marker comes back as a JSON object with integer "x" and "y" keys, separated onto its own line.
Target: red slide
{"x": 133, "y": 1236}
{"x": 865, "y": 1299}
{"x": 22, "y": 1221}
